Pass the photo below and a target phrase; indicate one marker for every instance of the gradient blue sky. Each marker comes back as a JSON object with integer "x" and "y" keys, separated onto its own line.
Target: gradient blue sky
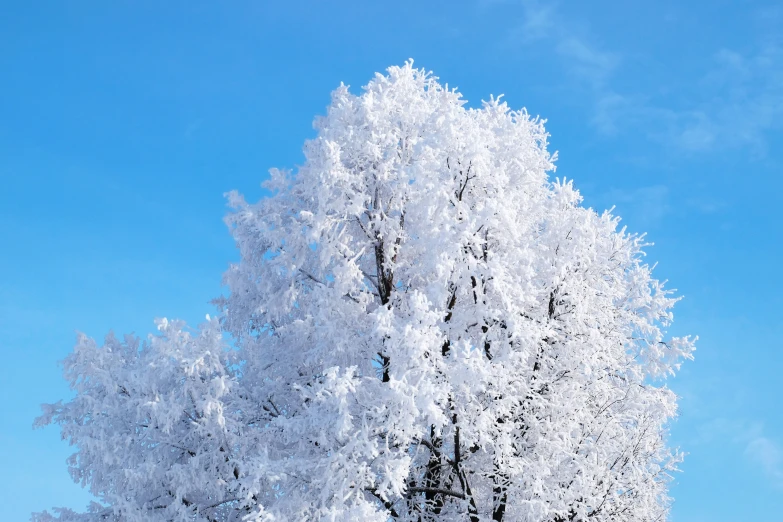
{"x": 123, "y": 123}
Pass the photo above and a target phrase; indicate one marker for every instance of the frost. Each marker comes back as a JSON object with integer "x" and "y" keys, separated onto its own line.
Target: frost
{"x": 427, "y": 329}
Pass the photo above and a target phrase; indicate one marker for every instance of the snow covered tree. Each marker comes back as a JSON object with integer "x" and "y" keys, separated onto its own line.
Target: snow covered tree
{"x": 423, "y": 326}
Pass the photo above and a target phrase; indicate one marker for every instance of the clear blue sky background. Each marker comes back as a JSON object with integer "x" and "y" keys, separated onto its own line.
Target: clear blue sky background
{"x": 123, "y": 123}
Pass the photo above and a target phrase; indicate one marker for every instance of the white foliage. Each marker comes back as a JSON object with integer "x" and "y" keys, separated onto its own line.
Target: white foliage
{"x": 427, "y": 328}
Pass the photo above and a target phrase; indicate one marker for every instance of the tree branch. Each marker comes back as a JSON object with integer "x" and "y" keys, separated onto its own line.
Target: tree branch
{"x": 438, "y": 491}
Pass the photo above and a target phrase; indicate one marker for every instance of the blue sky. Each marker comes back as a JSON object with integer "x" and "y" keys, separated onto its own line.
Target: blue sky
{"x": 123, "y": 123}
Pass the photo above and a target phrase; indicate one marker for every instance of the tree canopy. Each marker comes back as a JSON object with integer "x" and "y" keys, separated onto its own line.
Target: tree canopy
{"x": 423, "y": 326}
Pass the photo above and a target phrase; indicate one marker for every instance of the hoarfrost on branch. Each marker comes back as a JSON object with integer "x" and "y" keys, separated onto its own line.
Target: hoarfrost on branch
{"x": 425, "y": 327}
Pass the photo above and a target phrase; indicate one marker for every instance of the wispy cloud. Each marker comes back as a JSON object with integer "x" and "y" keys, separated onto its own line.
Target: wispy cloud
{"x": 760, "y": 450}
{"x": 768, "y": 455}
{"x": 745, "y": 95}
{"x": 740, "y": 99}
{"x": 736, "y": 102}
{"x": 586, "y": 62}
{"x": 692, "y": 130}
{"x": 538, "y": 22}
{"x": 192, "y": 128}
{"x": 648, "y": 204}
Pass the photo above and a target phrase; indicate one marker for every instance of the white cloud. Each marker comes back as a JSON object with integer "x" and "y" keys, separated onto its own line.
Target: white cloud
{"x": 649, "y": 204}
{"x": 537, "y": 23}
{"x": 760, "y": 449}
{"x": 769, "y": 456}
{"x": 192, "y": 128}
{"x": 585, "y": 61}
{"x": 738, "y": 100}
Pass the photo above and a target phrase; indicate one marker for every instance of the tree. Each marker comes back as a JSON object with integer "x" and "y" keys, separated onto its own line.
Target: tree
{"x": 423, "y": 326}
